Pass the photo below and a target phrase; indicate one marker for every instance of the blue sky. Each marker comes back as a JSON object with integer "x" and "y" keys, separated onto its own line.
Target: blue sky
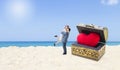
{"x": 40, "y": 20}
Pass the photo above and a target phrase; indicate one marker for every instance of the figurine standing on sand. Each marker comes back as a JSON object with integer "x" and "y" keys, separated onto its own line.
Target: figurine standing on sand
{"x": 63, "y": 38}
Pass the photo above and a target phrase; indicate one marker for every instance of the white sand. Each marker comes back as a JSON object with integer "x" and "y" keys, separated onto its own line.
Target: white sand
{"x": 51, "y": 58}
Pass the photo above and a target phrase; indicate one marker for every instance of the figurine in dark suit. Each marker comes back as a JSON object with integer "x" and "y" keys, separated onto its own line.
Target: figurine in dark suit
{"x": 65, "y": 35}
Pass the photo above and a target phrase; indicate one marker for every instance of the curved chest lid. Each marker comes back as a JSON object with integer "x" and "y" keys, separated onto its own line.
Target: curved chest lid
{"x": 102, "y": 31}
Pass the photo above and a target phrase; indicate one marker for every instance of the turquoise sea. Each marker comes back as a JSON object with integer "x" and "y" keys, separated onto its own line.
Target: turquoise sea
{"x": 43, "y": 43}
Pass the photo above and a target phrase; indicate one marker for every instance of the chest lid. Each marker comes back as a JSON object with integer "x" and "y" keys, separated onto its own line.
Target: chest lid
{"x": 102, "y": 31}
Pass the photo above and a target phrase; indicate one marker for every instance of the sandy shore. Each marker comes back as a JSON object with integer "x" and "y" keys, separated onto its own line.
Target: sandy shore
{"x": 51, "y": 58}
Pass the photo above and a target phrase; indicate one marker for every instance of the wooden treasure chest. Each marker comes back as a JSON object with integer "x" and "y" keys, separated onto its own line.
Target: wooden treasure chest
{"x": 91, "y": 41}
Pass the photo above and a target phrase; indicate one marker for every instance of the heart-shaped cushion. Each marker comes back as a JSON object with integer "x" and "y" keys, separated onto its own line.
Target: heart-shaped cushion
{"x": 90, "y": 39}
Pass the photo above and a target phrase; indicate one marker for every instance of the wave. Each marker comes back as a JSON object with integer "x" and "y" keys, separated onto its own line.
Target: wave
{"x": 113, "y": 45}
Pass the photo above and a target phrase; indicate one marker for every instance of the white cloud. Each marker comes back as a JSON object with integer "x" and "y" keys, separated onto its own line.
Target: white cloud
{"x": 110, "y": 2}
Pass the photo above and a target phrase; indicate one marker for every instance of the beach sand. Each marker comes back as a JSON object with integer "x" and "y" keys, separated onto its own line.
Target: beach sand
{"x": 51, "y": 58}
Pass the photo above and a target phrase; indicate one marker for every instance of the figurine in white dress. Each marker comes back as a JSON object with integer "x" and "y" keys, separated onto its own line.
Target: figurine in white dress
{"x": 59, "y": 38}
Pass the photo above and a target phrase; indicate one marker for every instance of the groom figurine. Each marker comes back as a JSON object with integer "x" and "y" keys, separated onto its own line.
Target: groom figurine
{"x": 65, "y": 35}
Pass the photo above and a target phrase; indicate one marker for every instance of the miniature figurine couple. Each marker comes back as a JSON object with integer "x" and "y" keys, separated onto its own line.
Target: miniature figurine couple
{"x": 63, "y": 38}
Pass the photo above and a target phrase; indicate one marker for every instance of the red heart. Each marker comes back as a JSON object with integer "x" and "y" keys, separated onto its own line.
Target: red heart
{"x": 90, "y": 39}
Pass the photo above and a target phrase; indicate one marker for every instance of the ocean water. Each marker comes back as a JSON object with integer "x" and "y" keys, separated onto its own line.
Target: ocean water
{"x": 42, "y": 43}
